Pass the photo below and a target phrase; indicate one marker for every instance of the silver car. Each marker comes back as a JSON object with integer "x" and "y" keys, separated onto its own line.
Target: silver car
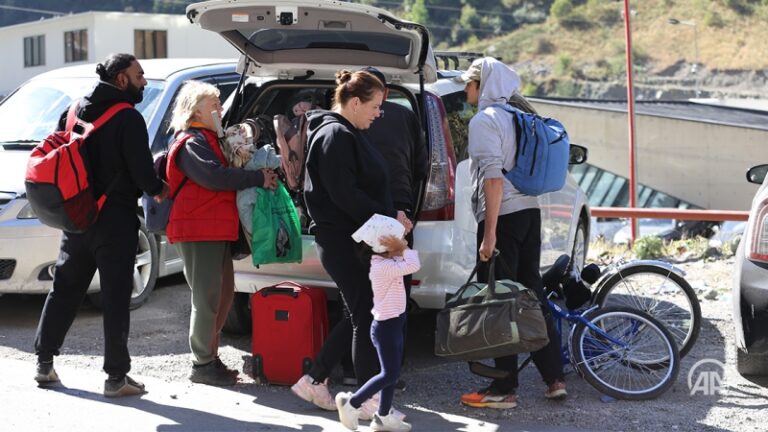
{"x": 28, "y": 249}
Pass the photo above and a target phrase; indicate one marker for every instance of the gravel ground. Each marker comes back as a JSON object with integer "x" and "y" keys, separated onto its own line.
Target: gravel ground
{"x": 159, "y": 349}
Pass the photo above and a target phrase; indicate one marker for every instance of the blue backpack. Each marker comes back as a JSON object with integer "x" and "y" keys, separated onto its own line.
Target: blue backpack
{"x": 542, "y": 155}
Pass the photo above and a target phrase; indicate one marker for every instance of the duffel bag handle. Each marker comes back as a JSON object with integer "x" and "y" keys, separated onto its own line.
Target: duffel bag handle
{"x": 491, "y": 277}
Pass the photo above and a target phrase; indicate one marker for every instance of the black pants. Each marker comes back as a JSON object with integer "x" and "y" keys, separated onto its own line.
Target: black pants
{"x": 339, "y": 256}
{"x": 109, "y": 246}
{"x": 518, "y": 239}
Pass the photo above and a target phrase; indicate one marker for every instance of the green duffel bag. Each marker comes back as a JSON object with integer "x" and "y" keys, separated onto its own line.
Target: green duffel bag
{"x": 484, "y": 321}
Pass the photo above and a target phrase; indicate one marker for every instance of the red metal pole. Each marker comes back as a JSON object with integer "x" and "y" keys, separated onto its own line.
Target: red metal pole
{"x": 631, "y": 112}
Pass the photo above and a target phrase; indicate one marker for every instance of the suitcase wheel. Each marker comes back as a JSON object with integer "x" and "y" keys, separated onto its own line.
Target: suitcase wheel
{"x": 257, "y": 368}
{"x": 306, "y": 365}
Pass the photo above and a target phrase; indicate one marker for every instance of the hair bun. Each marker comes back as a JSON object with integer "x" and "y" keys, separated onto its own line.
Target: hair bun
{"x": 343, "y": 76}
{"x": 102, "y": 71}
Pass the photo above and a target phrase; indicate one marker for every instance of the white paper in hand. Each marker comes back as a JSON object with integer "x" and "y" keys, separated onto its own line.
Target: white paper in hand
{"x": 376, "y": 227}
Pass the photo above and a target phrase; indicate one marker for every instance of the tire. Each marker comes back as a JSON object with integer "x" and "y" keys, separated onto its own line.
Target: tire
{"x": 751, "y": 364}
{"x": 579, "y": 250}
{"x": 239, "y": 316}
{"x": 643, "y": 369}
{"x": 144, "y": 273}
{"x": 662, "y": 293}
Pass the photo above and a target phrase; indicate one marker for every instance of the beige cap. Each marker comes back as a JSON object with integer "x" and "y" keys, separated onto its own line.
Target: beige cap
{"x": 472, "y": 73}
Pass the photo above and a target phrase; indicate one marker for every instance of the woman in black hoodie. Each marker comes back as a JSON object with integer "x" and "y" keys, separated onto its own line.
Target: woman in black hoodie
{"x": 346, "y": 184}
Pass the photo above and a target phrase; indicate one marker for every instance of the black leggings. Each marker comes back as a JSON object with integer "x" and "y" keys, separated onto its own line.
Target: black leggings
{"x": 338, "y": 254}
{"x": 518, "y": 239}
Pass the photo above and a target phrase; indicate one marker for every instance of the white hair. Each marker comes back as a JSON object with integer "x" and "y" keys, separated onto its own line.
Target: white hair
{"x": 190, "y": 96}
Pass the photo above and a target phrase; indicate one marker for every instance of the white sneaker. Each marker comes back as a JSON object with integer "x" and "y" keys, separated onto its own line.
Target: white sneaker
{"x": 348, "y": 414}
{"x": 317, "y": 394}
{"x": 389, "y": 423}
{"x": 371, "y": 406}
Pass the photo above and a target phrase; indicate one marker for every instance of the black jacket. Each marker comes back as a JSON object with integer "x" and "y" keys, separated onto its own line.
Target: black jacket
{"x": 347, "y": 180}
{"x": 119, "y": 149}
{"x": 398, "y": 137}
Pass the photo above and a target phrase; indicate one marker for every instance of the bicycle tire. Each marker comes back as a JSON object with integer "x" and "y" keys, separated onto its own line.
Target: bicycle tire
{"x": 625, "y": 372}
{"x": 678, "y": 308}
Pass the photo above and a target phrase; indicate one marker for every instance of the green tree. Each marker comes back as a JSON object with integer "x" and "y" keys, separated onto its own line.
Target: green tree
{"x": 417, "y": 12}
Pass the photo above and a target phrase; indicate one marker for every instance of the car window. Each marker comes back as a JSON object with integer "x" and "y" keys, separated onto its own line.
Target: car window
{"x": 32, "y": 112}
{"x": 459, "y": 112}
{"x": 164, "y": 136}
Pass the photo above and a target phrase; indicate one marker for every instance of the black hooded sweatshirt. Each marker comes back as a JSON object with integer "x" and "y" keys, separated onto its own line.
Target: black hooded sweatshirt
{"x": 119, "y": 149}
{"x": 347, "y": 180}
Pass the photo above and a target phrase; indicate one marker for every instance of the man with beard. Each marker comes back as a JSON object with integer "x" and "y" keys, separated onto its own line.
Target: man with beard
{"x": 120, "y": 165}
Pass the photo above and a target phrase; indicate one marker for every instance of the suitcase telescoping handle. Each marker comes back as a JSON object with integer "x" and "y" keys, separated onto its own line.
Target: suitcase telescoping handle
{"x": 285, "y": 288}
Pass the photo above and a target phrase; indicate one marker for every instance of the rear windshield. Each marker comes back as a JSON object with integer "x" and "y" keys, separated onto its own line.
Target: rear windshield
{"x": 280, "y": 39}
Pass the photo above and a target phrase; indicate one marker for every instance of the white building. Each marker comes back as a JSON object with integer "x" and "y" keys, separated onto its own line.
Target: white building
{"x": 31, "y": 48}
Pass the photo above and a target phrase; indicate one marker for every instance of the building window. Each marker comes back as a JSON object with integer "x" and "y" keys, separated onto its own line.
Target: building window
{"x": 75, "y": 46}
{"x": 34, "y": 51}
{"x": 150, "y": 44}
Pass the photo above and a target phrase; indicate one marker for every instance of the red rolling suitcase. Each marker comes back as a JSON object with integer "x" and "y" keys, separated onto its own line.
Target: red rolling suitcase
{"x": 290, "y": 324}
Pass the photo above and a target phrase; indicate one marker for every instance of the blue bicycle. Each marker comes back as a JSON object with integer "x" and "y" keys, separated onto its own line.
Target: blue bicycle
{"x": 622, "y": 352}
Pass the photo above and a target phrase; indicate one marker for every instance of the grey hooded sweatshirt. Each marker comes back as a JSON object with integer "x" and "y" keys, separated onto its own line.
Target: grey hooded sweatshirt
{"x": 492, "y": 139}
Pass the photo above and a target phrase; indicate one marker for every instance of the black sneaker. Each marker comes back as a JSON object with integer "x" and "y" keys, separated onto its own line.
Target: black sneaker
{"x": 46, "y": 374}
{"x": 125, "y": 386}
{"x": 212, "y": 374}
{"x": 220, "y": 364}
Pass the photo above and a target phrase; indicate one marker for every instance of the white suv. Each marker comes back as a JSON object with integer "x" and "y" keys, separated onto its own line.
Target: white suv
{"x": 298, "y": 45}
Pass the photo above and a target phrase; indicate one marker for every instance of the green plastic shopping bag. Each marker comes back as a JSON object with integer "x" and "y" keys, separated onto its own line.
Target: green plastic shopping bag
{"x": 276, "y": 229}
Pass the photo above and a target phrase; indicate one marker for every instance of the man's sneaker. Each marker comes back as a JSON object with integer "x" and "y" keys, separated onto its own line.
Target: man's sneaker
{"x": 556, "y": 391}
{"x": 371, "y": 407}
{"x": 486, "y": 399}
{"x": 389, "y": 423}
{"x": 125, "y": 386}
{"x": 348, "y": 415}
{"x": 317, "y": 394}
{"x": 212, "y": 374}
{"x": 46, "y": 374}
{"x": 220, "y": 364}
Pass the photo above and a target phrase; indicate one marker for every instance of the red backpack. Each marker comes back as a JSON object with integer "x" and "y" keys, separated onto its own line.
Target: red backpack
{"x": 57, "y": 181}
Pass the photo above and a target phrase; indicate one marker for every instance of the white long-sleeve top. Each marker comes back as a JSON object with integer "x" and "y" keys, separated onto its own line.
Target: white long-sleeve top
{"x": 387, "y": 281}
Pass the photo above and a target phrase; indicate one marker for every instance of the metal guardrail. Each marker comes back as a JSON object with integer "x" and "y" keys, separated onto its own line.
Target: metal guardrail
{"x": 670, "y": 213}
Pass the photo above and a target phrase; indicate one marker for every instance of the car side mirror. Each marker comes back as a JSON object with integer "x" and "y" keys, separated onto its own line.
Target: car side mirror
{"x": 578, "y": 154}
{"x": 756, "y": 174}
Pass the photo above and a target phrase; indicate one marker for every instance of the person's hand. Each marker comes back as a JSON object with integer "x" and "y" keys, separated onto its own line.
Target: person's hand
{"x": 163, "y": 193}
{"x": 394, "y": 245}
{"x": 403, "y": 219}
{"x": 270, "y": 179}
{"x": 487, "y": 246}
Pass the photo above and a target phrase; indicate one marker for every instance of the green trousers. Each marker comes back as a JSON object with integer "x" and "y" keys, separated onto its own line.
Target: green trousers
{"x": 209, "y": 273}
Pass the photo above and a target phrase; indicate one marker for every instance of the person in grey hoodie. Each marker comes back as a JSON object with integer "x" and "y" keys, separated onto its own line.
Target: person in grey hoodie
{"x": 507, "y": 219}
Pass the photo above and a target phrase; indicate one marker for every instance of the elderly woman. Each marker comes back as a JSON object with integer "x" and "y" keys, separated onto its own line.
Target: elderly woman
{"x": 346, "y": 184}
{"x": 204, "y": 220}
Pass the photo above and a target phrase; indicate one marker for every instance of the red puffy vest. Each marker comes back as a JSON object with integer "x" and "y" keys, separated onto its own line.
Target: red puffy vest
{"x": 200, "y": 214}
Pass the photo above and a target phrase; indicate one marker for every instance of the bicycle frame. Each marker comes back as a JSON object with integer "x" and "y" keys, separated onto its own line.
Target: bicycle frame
{"x": 559, "y": 314}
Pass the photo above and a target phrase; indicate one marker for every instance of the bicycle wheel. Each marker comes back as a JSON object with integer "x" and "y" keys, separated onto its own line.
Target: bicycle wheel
{"x": 660, "y": 292}
{"x": 642, "y": 365}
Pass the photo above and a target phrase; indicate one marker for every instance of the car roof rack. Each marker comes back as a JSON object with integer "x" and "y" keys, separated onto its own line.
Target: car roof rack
{"x": 454, "y": 56}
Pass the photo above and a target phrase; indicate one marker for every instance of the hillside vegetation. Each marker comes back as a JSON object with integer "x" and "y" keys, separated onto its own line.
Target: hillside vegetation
{"x": 566, "y": 47}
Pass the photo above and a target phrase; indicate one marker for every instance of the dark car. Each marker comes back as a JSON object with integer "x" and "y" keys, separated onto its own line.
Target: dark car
{"x": 750, "y": 283}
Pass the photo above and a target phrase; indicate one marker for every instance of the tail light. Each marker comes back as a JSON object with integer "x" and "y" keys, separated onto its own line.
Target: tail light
{"x": 758, "y": 239}
{"x": 439, "y": 195}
